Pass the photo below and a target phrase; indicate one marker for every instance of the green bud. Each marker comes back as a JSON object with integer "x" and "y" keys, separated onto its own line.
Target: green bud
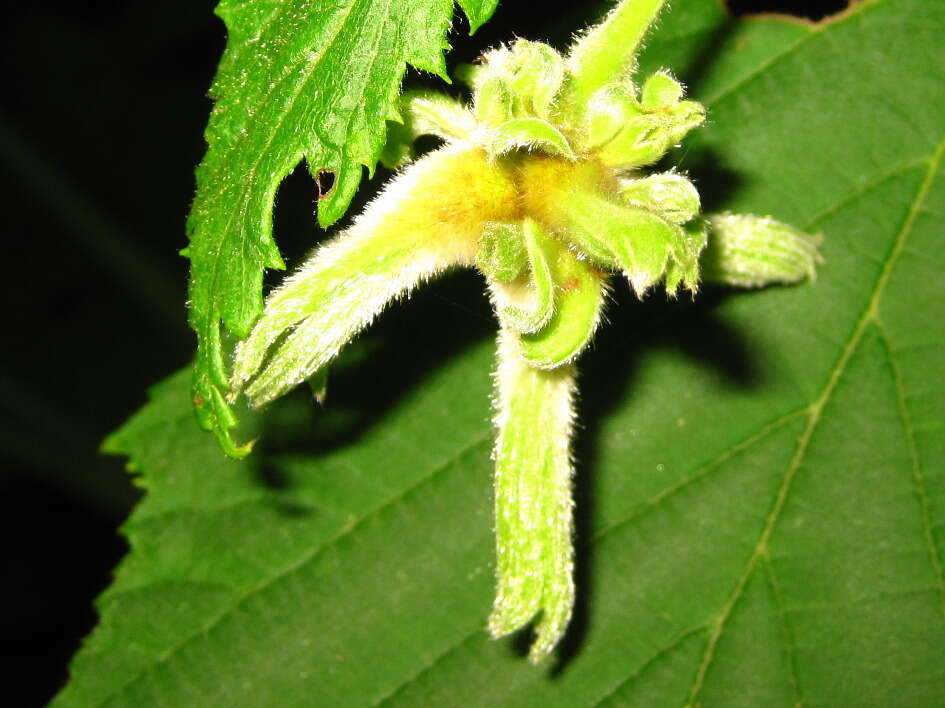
{"x": 660, "y": 121}
{"x": 501, "y": 255}
{"x": 662, "y": 95}
{"x": 642, "y": 141}
{"x": 660, "y": 91}
{"x": 535, "y": 74}
{"x": 646, "y": 247}
{"x": 754, "y": 251}
{"x": 647, "y": 137}
{"x": 671, "y": 195}
{"x": 607, "y": 113}
{"x": 633, "y": 240}
{"x": 685, "y": 116}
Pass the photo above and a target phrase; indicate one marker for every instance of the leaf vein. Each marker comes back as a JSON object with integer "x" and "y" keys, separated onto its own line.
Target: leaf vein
{"x": 855, "y": 11}
{"x": 863, "y": 189}
{"x": 413, "y": 678}
{"x": 701, "y": 472}
{"x": 647, "y": 663}
{"x": 917, "y": 475}
{"x": 314, "y": 553}
{"x": 781, "y": 609}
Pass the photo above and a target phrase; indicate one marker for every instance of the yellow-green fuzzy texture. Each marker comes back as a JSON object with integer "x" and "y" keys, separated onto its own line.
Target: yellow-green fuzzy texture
{"x": 427, "y": 220}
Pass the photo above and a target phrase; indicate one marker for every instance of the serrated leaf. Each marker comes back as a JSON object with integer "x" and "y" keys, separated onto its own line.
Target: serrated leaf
{"x": 300, "y": 79}
{"x": 761, "y": 480}
{"x": 478, "y": 11}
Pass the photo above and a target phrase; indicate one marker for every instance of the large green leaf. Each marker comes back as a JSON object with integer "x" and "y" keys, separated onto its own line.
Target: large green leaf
{"x": 761, "y": 491}
{"x": 300, "y": 79}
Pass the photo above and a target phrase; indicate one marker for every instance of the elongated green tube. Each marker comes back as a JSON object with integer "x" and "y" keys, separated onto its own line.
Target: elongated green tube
{"x": 607, "y": 53}
{"x": 428, "y": 220}
{"x": 749, "y": 251}
{"x": 533, "y": 508}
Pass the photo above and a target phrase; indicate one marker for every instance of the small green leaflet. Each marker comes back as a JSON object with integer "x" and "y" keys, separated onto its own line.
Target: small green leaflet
{"x": 300, "y": 79}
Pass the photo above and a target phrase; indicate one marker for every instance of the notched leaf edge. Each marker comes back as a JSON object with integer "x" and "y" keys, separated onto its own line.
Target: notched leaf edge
{"x": 209, "y": 391}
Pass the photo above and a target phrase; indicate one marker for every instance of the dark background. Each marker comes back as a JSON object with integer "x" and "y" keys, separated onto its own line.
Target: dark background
{"x": 103, "y": 108}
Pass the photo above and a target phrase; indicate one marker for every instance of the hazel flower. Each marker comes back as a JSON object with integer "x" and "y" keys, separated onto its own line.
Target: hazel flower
{"x": 541, "y": 186}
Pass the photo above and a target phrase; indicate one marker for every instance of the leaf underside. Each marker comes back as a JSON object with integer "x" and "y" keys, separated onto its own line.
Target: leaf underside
{"x": 761, "y": 485}
{"x": 300, "y": 79}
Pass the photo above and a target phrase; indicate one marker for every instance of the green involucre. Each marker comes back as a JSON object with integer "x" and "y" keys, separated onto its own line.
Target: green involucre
{"x": 540, "y": 185}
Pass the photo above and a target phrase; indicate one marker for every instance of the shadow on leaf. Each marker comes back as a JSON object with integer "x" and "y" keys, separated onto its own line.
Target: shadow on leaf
{"x": 608, "y": 371}
{"x": 405, "y": 347}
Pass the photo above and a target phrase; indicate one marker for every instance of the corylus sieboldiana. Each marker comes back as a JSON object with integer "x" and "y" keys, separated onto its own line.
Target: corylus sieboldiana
{"x": 541, "y": 184}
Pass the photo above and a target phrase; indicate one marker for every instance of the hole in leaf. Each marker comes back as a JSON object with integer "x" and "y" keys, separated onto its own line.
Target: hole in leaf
{"x": 324, "y": 183}
{"x": 293, "y": 220}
